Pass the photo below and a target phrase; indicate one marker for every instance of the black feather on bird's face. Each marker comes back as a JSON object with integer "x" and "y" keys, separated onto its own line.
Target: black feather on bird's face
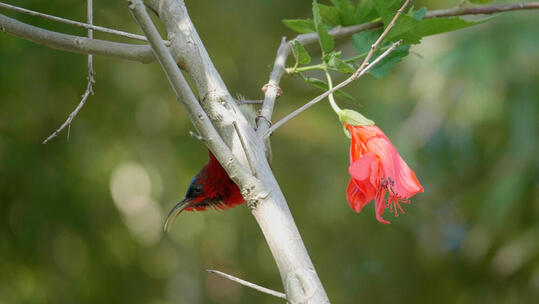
{"x": 194, "y": 190}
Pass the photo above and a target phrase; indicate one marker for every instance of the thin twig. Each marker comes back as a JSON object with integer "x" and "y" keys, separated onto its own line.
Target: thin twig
{"x": 375, "y": 45}
{"x": 252, "y": 102}
{"x": 249, "y": 284}
{"x": 350, "y": 79}
{"x": 245, "y": 148}
{"x": 89, "y": 88}
{"x": 88, "y": 25}
{"x": 195, "y": 135}
{"x": 485, "y": 10}
{"x": 272, "y": 87}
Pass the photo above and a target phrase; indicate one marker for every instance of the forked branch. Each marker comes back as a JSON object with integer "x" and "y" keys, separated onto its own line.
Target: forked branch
{"x": 89, "y": 87}
{"x": 88, "y": 26}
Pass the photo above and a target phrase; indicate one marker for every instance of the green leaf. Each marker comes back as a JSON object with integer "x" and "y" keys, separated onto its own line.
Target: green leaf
{"x": 386, "y": 9}
{"x": 403, "y": 28}
{"x": 334, "y": 62}
{"x": 383, "y": 67}
{"x": 363, "y": 41}
{"x": 406, "y": 29}
{"x": 346, "y": 11}
{"x": 300, "y": 53}
{"x": 322, "y": 85}
{"x": 419, "y": 14}
{"x": 302, "y": 26}
{"x": 433, "y": 26}
{"x": 354, "y": 118}
{"x": 325, "y": 39}
{"x": 365, "y": 11}
{"x": 330, "y": 15}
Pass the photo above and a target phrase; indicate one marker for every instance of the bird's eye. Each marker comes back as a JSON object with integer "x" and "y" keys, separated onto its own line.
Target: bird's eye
{"x": 197, "y": 189}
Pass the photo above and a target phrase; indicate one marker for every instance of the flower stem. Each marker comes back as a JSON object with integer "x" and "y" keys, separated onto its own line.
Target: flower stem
{"x": 330, "y": 96}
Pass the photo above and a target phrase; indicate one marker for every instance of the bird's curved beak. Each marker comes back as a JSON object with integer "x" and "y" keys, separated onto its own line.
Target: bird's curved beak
{"x": 174, "y": 212}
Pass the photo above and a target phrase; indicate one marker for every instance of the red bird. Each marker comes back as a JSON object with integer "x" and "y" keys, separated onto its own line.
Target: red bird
{"x": 211, "y": 187}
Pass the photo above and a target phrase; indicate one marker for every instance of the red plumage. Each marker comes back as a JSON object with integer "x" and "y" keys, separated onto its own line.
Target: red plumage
{"x": 211, "y": 187}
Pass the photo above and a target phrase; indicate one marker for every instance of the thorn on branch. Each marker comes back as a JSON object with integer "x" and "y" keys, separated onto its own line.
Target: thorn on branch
{"x": 196, "y": 136}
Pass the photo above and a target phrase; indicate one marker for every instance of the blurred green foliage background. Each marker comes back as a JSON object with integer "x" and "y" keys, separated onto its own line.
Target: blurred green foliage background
{"x": 81, "y": 220}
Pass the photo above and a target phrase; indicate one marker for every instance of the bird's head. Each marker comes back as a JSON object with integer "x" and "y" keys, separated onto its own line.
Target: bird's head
{"x": 193, "y": 196}
{"x": 211, "y": 187}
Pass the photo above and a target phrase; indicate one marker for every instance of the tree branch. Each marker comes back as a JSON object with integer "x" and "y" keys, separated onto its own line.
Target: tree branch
{"x": 87, "y": 26}
{"x": 265, "y": 198}
{"x": 272, "y": 87}
{"x": 249, "y": 284}
{"x": 485, "y": 10}
{"x": 76, "y": 44}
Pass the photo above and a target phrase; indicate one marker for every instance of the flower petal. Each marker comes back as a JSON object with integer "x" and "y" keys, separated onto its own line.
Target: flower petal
{"x": 356, "y": 198}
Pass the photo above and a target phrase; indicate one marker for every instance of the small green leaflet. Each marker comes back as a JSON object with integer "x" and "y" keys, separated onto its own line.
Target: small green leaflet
{"x": 300, "y": 53}
{"x": 346, "y": 11}
{"x": 334, "y": 62}
{"x": 330, "y": 15}
{"x": 419, "y": 14}
{"x": 386, "y": 9}
{"x": 406, "y": 29}
{"x": 365, "y": 11}
{"x": 325, "y": 39}
{"x": 302, "y": 26}
{"x": 320, "y": 84}
{"x": 363, "y": 41}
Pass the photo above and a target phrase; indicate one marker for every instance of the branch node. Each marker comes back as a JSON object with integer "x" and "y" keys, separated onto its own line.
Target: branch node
{"x": 267, "y": 86}
{"x": 299, "y": 287}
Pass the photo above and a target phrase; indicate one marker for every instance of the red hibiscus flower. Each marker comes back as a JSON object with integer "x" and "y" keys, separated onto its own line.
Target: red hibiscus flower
{"x": 377, "y": 169}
